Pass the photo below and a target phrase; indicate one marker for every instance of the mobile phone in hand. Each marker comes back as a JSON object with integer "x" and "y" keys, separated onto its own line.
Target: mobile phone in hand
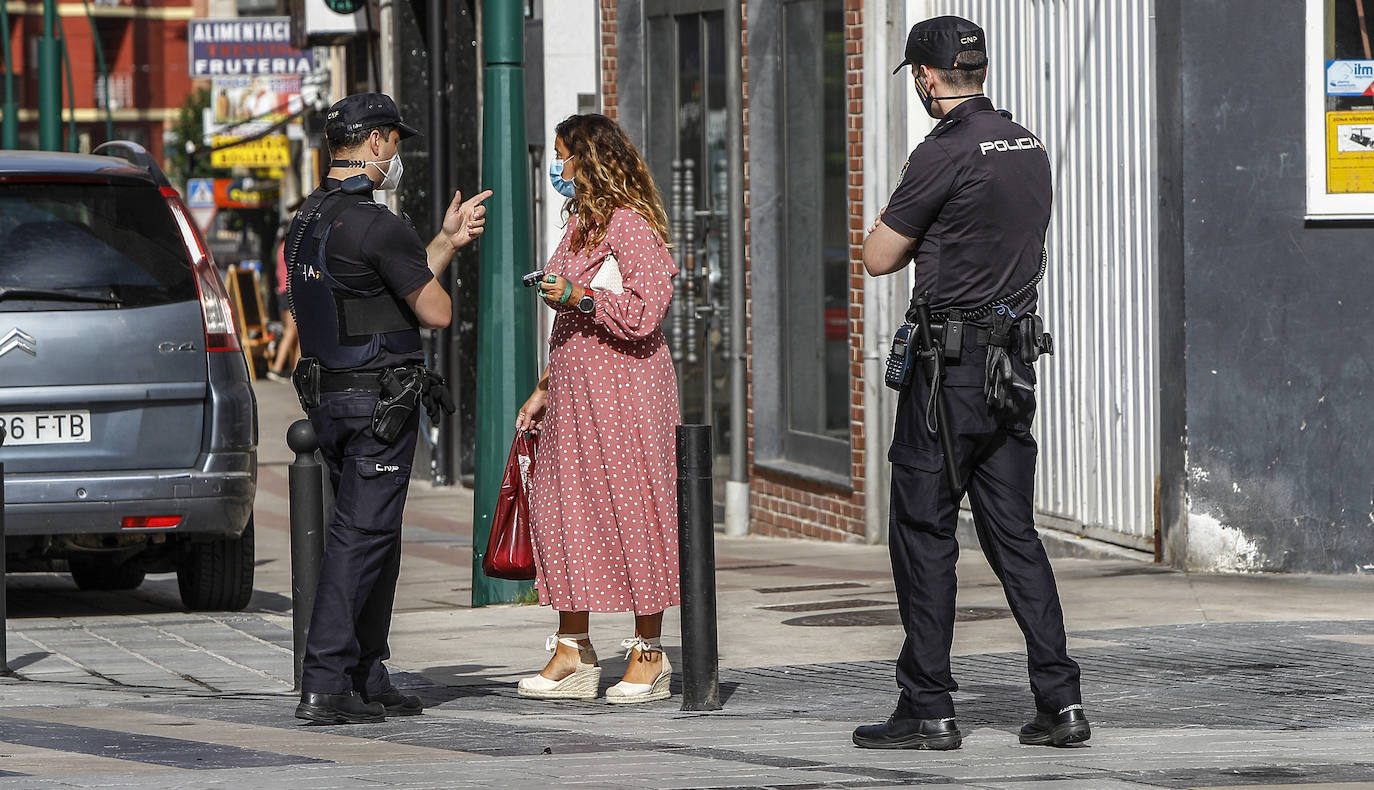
{"x": 532, "y": 279}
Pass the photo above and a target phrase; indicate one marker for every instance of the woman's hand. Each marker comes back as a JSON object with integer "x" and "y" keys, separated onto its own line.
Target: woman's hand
{"x": 531, "y": 416}
{"x": 553, "y": 288}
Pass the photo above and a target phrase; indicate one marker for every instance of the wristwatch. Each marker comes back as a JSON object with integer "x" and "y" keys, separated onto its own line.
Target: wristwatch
{"x": 586, "y": 304}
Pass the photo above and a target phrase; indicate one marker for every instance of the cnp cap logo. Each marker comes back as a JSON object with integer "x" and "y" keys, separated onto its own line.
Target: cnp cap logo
{"x": 18, "y": 339}
{"x": 969, "y": 40}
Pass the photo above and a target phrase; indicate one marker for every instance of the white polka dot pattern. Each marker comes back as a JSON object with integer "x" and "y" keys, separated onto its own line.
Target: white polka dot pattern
{"x": 604, "y": 503}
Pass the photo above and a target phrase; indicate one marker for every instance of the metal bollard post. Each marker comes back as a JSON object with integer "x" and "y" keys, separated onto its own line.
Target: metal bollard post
{"x": 697, "y": 556}
{"x": 306, "y": 484}
{"x": 4, "y": 611}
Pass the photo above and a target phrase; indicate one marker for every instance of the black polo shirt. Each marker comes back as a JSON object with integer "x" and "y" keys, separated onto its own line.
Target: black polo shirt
{"x": 370, "y": 248}
{"x": 975, "y": 196}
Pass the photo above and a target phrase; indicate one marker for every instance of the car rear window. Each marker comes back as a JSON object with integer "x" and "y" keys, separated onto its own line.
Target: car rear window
{"x": 94, "y": 240}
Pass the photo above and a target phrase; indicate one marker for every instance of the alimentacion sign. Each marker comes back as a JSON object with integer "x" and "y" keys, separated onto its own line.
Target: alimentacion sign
{"x": 245, "y": 46}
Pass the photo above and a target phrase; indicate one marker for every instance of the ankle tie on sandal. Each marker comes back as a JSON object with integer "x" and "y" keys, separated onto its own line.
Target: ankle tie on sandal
{"x": 642, "y": 645}
{"x": 551, "y": 644}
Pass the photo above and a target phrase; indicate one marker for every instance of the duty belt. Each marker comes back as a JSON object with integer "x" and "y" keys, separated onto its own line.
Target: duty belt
{"x": 354, "y": 380}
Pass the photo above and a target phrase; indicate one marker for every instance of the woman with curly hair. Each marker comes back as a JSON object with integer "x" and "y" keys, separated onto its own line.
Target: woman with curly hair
{"x": 603, "y": 510}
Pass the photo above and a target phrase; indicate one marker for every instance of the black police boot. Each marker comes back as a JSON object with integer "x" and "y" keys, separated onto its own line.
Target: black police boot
{"x": 346, "y": 708}
{"x": 398, "y": 704}
{"x": 1067, "y": 727}
{"x": 903, "y": 733}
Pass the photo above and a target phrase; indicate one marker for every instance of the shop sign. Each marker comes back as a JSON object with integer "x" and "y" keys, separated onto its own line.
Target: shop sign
{"x": 244, "y": 193}
{"x": 270, "y": 151}
{"x": 245, "y": 46}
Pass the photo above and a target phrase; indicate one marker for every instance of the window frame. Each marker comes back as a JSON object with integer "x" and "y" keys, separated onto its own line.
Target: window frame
{"x": 1322, "y": 205}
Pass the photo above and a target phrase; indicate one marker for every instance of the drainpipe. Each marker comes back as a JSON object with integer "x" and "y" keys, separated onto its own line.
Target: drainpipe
{"x": 737, "y": 487}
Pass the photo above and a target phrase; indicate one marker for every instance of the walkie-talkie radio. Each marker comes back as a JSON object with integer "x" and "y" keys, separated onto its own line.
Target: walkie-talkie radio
{"x": 898, "y": 374}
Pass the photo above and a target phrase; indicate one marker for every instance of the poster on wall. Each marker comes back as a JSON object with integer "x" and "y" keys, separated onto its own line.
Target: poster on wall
{"x": 1350, "y": 152}
{"x": 1350, "y": 78}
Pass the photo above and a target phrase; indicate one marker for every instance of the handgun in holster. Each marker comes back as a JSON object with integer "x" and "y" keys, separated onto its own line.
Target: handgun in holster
{"x": 399, "y": 398}
{"x": 306, "y": 379}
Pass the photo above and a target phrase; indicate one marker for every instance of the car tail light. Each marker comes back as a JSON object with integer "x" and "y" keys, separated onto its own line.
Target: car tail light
{"x": 220, "y": 331}
{"x": 150, "y": 522}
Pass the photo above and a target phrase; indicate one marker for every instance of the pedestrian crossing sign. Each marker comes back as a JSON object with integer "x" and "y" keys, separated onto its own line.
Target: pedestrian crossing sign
{"x": 200, "y": 193}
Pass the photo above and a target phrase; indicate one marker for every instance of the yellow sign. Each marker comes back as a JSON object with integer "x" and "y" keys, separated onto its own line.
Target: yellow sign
{"x": 270, "y": 151}
{"x": 1350, "y": 152}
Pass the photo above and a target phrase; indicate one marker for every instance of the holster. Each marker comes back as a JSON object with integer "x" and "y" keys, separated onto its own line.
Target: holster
{"x": 306, "y": 379}
{"x": 399, "y": 398}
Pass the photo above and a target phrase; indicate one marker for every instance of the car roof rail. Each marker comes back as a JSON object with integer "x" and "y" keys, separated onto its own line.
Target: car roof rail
{"x": 136, "y": 155}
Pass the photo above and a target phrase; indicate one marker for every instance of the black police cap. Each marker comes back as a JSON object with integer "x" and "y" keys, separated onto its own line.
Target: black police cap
{"x": 363, "y": 111}
{"x": 937, "y": 43}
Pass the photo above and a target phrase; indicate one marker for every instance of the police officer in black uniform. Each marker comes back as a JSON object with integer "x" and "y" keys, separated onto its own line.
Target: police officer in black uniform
{"x": 362, "y": 284}
{"x": 970, "y": 211}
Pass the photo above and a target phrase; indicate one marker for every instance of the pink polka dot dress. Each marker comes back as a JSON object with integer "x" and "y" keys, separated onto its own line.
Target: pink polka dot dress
{"x": 604, "y": 505}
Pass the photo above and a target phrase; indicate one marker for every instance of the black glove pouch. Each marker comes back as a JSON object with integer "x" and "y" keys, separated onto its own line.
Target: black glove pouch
{"x": 438, "y": 399}
{"x": 306, "y": 379}
{"x": 399, "y": 398}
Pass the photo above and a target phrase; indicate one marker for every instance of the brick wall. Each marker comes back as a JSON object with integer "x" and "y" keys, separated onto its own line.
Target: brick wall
{"x": 610, "y": 64}
{"x": 789, "y": 507}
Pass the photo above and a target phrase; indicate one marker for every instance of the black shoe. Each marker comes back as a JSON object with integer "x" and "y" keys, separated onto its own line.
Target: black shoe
{"x": 398, "y": 704}
{"x": 347, "y": 708}
{"x": 903, "y": 733}
{"x": 1068, "y": 726}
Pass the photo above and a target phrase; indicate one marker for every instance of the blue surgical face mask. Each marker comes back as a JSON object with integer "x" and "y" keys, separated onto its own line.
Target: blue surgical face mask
{"x": 561, "y": 185}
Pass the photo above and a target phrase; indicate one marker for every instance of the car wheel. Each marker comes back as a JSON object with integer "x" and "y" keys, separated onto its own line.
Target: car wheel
{"x": 105, "y": 575}
{"x": 218, "y": 575}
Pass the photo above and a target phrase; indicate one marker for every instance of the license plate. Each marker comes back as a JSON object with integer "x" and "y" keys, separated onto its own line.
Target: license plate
{"x": 46, "y": 427}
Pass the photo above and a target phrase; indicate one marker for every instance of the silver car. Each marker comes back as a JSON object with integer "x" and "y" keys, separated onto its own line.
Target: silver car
{"x": 129, "y": 417}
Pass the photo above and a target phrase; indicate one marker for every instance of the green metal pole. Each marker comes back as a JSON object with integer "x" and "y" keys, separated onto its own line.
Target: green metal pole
{"x": 72, "y": 142}
{"x": 9, "y": 127}
{"x": 506, "y": 359}
{"x": 49, "y": 83}
{"x": 104, "y": 69}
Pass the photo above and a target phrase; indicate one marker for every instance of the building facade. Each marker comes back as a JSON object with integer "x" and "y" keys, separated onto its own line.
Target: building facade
{"x": 146, "y": 82}
{"x": 1199, "y": 407}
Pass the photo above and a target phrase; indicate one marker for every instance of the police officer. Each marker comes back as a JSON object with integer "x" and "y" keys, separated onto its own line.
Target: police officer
{"x": 970, "y": 212}
{"x": 362, "y": 286}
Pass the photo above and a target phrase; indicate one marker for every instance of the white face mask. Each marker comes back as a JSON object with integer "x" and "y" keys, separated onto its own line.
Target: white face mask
{"x": 391, "y": 176}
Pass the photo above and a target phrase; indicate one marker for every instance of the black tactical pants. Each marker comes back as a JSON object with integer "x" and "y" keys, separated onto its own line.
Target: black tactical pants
{"x": 996, "y": 455}
{"x": 347, "y": 642}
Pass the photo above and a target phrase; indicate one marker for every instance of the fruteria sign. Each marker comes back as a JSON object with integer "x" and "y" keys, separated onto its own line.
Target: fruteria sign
{"x": 1350, "y": 78}
{"x": 245, "y": 47}
{"x": 270, "y": 151}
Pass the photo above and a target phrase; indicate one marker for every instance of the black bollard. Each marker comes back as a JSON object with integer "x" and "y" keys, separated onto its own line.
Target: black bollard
{"x": 306, "y": 484}
{"x": 4, "y": 625}
{"x": 697, "y": 555}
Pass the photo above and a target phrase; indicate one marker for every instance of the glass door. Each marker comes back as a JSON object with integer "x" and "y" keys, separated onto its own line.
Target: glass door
{"x": 688, "y": 152}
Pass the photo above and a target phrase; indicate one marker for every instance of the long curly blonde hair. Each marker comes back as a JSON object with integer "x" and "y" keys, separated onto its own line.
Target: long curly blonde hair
{"x": 610, "y": 175}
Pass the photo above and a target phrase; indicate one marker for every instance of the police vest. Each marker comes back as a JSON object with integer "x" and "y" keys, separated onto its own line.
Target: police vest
{"x": 344, "y": 328}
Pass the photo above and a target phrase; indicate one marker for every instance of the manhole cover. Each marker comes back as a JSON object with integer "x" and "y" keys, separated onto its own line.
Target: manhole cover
{"x": 821, "y": 606}
{"x": 890, "y": 617}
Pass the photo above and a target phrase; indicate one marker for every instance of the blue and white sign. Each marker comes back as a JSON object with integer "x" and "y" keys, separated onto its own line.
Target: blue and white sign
{"x": 200, "y": 193}
{"x": 1350, "y": 78}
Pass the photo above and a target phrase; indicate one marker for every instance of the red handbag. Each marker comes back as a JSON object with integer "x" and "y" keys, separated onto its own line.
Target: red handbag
{"x": 510, "y": 549}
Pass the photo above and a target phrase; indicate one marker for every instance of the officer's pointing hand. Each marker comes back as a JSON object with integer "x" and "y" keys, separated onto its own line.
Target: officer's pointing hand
{"x": 465, "y": 221}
